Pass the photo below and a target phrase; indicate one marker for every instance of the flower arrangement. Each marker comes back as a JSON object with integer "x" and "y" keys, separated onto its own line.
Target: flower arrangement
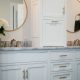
{"x": 3, "y": 25}
{"x": 2, "y": 30}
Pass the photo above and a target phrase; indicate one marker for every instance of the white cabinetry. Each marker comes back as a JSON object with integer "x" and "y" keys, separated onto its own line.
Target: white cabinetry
{"x": 53, "y": 8}
{"x": 61, "y": 66}
{"x": 62, "y": 76}
{"x": 40, "y": 65}
{"x": 23, "y": 66}
{"x": 24, "y": 72}
{"x": 48, "y": 23}
{"x": 37, "y": 72}
{"x": 11, "y": 73}
{"x": 78, "y": 71}
{"x": 35, "y": 22}
{"x": 77, "y": 64}
{"x": 53, "y": 32}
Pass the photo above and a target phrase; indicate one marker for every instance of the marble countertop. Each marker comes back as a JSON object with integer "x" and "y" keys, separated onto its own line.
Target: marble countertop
{"x": 44, "y": 48}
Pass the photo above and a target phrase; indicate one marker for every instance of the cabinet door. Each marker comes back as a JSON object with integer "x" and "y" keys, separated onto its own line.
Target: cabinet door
{"x": 53, "y": 33}
{"x": 37, "y": 72}
{"x": 53, "y": 8}
{"x": 11, "y": 73}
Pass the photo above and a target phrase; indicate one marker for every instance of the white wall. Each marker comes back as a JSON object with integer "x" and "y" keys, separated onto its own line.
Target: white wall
{"x": 23, "y": 33}
{"x": 73, "y": 8}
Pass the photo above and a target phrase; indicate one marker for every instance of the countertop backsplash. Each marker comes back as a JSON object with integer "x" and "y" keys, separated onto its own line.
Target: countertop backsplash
{"x": 73, "y": 43}
{"x": 14, "y": 43}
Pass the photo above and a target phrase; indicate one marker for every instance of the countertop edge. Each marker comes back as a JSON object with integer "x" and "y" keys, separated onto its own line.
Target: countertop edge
{"x": 30, "y": 49}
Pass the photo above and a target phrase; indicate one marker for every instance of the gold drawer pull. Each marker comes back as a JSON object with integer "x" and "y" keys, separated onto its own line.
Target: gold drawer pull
{"x": 62, "y": 66}
{"x": 62, "y": 77}
{"x": 24, "y": 74}
{"x": 63, "y": 55}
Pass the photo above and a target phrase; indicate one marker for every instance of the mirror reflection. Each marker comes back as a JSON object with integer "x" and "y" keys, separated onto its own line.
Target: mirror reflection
{"x": 14, "y": 12}
{"x": 76, "y": 27}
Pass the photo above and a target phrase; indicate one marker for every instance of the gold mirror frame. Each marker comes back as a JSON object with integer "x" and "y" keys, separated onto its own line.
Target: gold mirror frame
{"x": 75, "y": 19}
{"x": 24, "y": 19}
{"x": 78, "y": 1}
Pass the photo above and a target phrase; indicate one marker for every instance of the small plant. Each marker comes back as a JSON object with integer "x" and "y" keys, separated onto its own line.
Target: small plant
{"x": 3, "y": 24}
{"x": 2, "y": 30}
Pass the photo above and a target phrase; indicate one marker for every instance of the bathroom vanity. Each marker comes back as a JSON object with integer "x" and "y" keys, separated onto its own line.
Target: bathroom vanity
{"x": 40, "y": 64}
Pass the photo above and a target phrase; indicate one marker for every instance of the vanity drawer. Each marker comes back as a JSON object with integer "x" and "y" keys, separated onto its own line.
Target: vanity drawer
{"x": 9, "y": 57}
{"x": 77, "y": 55}
{"x": 61, "y": 56}
{"x": 63, "y": 76}
{"x": 61, "y": 66}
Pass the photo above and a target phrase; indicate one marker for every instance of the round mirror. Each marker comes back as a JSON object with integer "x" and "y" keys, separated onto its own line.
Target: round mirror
{"x": 76, "y": 24}
{"x": 14, "y": 12}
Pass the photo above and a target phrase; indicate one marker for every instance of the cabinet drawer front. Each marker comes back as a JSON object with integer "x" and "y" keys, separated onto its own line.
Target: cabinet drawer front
{"x": 54, "y": 21}
{"x": 10, "y": 68}
{"x": 77, "y": 55}
{"x": 61, "y": 66}
{"x": 19, "y": 57}
{"x": 61, "y": 56}
{"x": 61, "y": 77}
